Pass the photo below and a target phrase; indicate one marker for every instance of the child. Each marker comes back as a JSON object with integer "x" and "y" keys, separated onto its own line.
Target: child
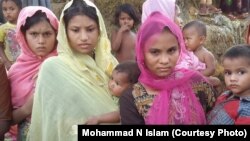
{"x": 9, "y": 48}
{"x": 123, "y": 38}
{"x": 232, "y": 107}
{"x": 5, "y": 102}
{"x": 195, "y": 35}
{"x": 124, "y": 76}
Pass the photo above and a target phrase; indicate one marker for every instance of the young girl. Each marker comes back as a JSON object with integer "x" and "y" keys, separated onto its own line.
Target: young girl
{"x": 123, "y": 38}
{"x": 232, "y": 107}
{"x": 9, "y": 48}
{"x": 36, "y": 32}
{"x": 124, "y": 76}
{"x": 164, "y": 93}
{"x": 73, "y": 85}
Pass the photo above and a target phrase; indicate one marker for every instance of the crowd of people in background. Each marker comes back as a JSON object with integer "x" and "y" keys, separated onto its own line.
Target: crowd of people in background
{"x": 68, "y": 72}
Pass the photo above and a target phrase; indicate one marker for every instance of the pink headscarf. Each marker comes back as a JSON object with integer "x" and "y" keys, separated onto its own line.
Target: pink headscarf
{"x": 22, "y": 74}
{"x": 176, "y": 102}
{"x": 166, "y": 7}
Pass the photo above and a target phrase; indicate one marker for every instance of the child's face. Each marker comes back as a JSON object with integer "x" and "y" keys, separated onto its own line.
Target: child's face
{"x": 41, "y": 38}
{"x": 126, "y": 20}
{"x": 10, "y": 11}
{"x": 161, "y": 54}
{"x": 192, "y": 38}
{"x": 118, "y": 83}
{"x": 237, "y": 75}
{"x": 82, "y": 33}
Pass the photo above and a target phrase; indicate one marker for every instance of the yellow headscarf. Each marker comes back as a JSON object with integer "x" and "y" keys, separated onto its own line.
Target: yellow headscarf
{"x": 72, "y": 87}
{"x": 104, "y": 60}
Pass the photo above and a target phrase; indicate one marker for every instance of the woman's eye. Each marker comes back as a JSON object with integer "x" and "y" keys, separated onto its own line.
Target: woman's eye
{"x": 34, "y": 34}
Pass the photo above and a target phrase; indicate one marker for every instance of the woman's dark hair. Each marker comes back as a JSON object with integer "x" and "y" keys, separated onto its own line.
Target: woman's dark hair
{"x": 131, "y": 69}
{"x": 36, "y": 18}
{"x": 17, "y": 2}
{"x": 79, "y": 7}
{"x": 238, "y": 51}
{"x": 129, "y": 9}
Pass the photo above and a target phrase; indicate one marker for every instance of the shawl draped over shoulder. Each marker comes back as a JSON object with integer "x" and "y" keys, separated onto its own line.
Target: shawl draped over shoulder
{"x": 72, "y": 87}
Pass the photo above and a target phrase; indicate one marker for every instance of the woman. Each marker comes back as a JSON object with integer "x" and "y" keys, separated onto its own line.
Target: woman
{"x": 36, "y": 34}
{"x": 165, "y": 93}
{"x": 74, "y": 85}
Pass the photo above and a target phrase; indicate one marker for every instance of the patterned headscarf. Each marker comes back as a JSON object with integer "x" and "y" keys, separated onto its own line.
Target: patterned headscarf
{"x": 176, "y": 97}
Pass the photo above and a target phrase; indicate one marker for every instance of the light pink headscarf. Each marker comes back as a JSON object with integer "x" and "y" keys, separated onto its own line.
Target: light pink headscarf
{"x": 22, "y": 74}
{"x": 176, "y": 102}
{"x": 166, "y": 7}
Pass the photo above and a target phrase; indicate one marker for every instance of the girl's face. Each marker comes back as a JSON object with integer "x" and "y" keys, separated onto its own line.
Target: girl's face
{"x": 237, "y": 75}
{"x": 82, "y": 33}
{"x": 126, "y": 20}
{"x": 118, "y": 83}
{"x": 41, "y": 38}
{"x": 161, "y": 54}
{"x": 10, "y": 11}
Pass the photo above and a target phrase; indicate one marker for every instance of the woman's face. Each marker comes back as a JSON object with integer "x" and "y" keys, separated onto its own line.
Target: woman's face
{"x": 41, "y": 38}
{"x": 83, "y": 33}
{"x": 161, "y": 53}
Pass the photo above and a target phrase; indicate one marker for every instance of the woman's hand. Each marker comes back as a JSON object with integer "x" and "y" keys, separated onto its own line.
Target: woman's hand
{"x": 23, "y": 112}
{"x": 92, "y": 121}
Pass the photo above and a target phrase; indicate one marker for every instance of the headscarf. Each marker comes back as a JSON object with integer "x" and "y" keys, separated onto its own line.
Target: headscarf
{"x": 104, "y": 60}
{"x": 176, "y": 97}
{"x": 166, "y": 7}
{"x": 72, "y": 87}
{"x": 23, "y": 73}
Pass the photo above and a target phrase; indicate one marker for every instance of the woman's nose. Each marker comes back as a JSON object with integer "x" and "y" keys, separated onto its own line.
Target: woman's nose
{"x": 40, "y": 39}
{"x": 164, "y": 59}
{"x": 84, "y": 36}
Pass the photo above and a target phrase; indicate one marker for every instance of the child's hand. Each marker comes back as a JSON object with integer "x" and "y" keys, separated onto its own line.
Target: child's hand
{"x": 124, "y": 28}
{"x": 92, "y": 121}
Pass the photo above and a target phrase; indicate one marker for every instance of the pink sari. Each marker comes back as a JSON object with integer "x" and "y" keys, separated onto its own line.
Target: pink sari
{"x": 176, "y": 102}
{"x": 23, "y": 73}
